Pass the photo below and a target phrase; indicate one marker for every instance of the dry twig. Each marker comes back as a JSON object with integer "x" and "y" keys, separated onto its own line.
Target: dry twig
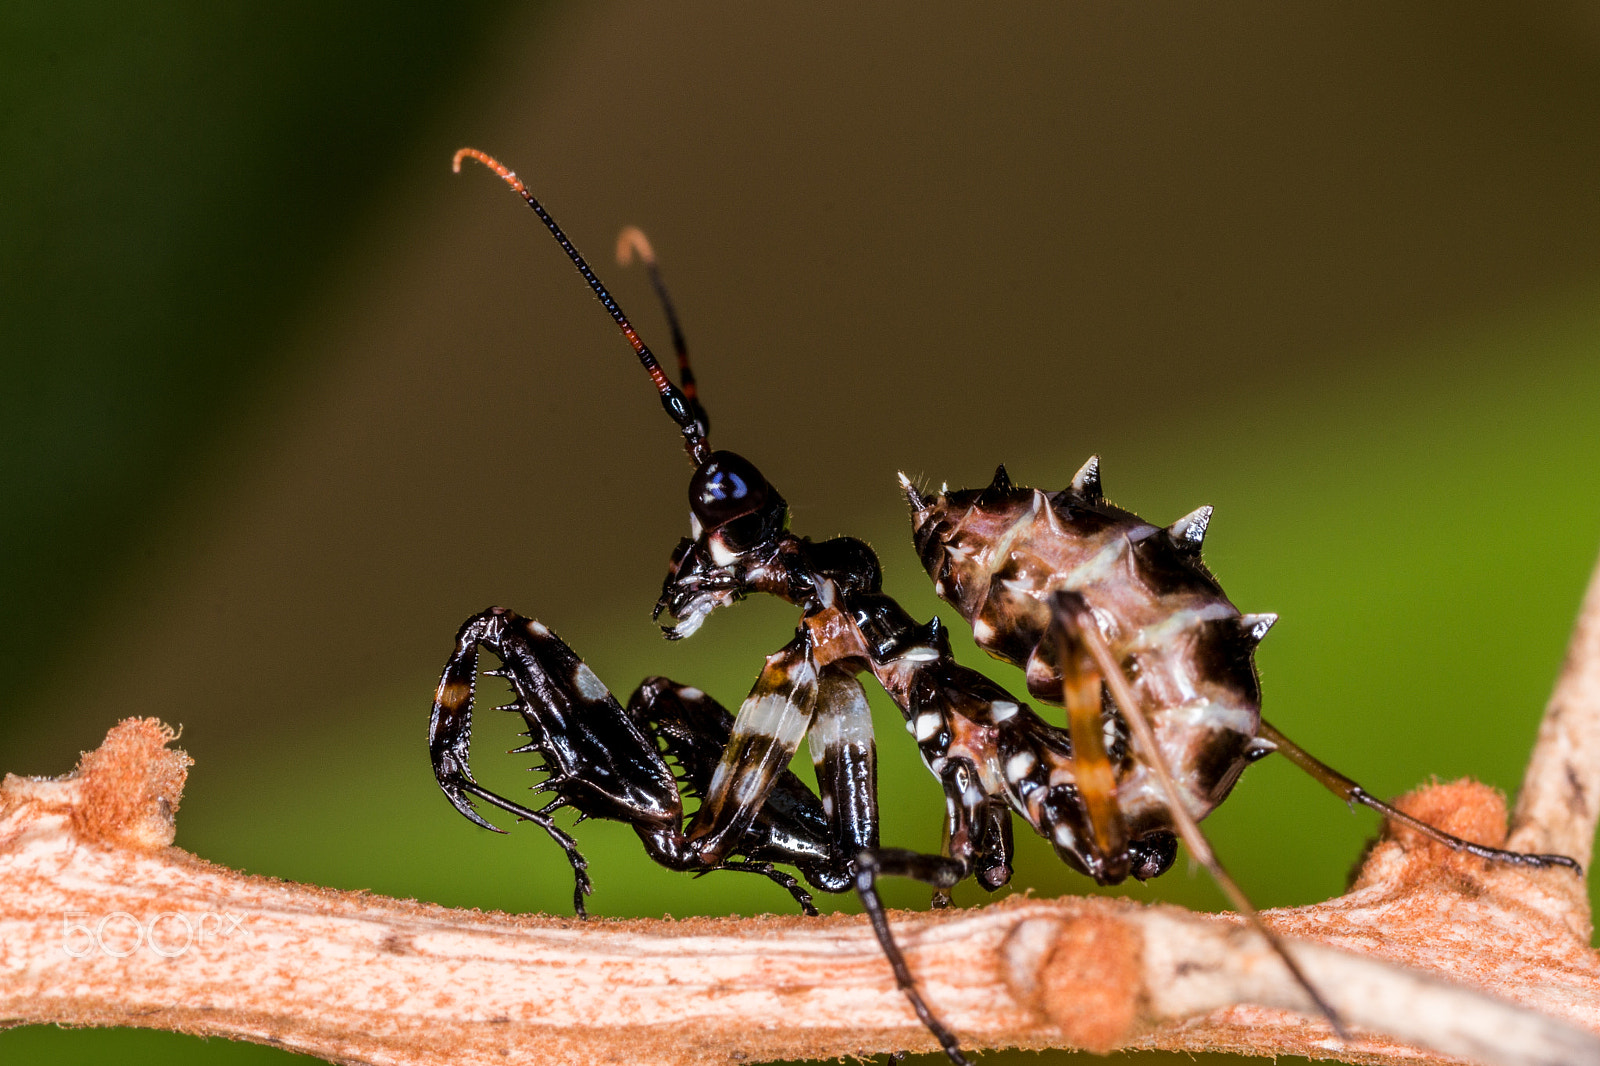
{"x": 103, "y": 922}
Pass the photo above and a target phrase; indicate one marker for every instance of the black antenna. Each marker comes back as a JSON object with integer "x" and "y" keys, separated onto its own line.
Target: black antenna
{"x": 630, "y": 242}
{"x": 682, "y": 408}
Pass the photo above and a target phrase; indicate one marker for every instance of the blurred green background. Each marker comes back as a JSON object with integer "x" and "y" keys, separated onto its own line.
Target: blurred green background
{"x": 285, "y": 401}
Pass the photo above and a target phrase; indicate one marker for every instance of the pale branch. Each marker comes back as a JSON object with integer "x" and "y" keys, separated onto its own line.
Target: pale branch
{"x": 1559, "y": 804}
{"x": 102, "y": 922}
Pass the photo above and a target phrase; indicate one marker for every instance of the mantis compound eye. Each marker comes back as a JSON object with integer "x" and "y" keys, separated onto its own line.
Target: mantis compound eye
{"x": 732, "y": 498}
{"x": 726, "y": 486}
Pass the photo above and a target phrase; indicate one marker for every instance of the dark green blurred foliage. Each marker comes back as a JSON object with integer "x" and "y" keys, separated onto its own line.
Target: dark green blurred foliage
{"x": 176, "y": 177}
{"x": 133, "y": 1047}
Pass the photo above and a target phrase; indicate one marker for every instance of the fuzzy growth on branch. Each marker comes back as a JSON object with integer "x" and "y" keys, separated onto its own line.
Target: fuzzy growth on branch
{"x": 1431, "y": 957}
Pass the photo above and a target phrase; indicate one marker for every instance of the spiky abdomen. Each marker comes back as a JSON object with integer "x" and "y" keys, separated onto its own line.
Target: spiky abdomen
{"x": 1185, "y": 648}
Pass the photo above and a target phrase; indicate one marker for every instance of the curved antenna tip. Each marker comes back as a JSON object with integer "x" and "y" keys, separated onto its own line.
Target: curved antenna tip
{"x": 505, "y": 172}
{"x": 680, "y": 403}
{"x": 632, "y": 242}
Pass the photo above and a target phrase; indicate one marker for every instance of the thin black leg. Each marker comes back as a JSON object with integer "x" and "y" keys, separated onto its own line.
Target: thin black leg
{"x": 933, "y": 869}
{"x": 580, "y": 865}
{"x": 1351, "y": 792}
{"x": 772, "y": 873}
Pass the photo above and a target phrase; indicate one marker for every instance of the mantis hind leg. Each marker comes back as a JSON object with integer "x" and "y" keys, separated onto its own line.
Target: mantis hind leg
{"x": 1351, "y": 792}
